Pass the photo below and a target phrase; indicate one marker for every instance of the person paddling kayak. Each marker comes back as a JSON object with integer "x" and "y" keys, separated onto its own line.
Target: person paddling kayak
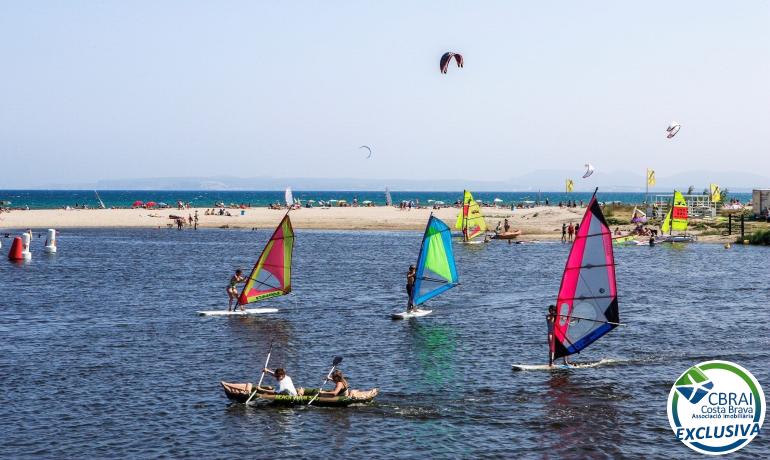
{"x": 411, "y": 276}
{"x": 551, "y": 320}
{"x": 232, "y": 292}
{"x": 285, "y": 384}
{"x": 341, "y": 385}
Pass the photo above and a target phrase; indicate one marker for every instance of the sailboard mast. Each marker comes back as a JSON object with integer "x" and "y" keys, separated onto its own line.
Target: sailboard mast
{"x": 271, "y": 275}
{"x": 436, "y": 269}
{"x": 101, "y": 203}
{"x": 388, "y": 199}
{"x": 587, "y": 305}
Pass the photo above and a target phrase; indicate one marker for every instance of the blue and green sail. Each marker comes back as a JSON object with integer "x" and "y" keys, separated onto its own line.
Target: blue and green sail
{"x": 436, "y": 270}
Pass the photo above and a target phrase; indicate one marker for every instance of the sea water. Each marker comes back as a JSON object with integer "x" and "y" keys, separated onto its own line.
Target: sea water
{"x": 103, "y": 356}
{"x": 50, "y": 199}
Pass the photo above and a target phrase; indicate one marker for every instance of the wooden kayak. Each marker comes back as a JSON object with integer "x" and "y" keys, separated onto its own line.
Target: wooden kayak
{"x": 507, "y": 235}
{"x": 240, "y": 392}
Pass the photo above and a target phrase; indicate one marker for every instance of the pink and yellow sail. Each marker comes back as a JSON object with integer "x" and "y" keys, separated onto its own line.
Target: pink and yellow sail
{"x": 271, "y": 275}
{"x": 470, "y": 220}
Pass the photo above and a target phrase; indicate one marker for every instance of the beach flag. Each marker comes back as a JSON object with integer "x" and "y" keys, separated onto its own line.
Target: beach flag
{"x": 716, "y": 194}
{"x": 650, "y": 177}
{"x": 570, "y": 185}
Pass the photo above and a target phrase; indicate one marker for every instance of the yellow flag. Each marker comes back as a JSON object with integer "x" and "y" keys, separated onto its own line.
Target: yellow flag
{"x": 650, "y": 177}
{"x": 570, "y": 185}
{"x": 716, "y": 194}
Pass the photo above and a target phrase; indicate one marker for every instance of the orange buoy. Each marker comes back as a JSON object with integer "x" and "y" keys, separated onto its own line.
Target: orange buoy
{"x": 16, "y": 249}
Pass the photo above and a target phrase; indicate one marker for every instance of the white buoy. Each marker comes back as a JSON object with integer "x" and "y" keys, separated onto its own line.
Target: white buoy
{"x": 50, "y": 242}
{"x": 25, "y": 254}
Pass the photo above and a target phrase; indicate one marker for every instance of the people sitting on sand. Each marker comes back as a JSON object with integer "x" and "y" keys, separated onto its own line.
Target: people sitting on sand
{"x": 617, "y": 231}
{"x": 341, "y": 385}
{"x": 285, "y": 385}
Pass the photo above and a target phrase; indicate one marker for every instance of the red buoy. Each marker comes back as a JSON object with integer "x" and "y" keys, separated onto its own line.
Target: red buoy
{"x": 16, "y": 249}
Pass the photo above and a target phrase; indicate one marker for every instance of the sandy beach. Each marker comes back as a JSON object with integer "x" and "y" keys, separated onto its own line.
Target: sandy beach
{"x": 542, "y": 222}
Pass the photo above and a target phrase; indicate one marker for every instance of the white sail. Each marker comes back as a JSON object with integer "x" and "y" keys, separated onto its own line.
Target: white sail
{"x": 289, "y": 197}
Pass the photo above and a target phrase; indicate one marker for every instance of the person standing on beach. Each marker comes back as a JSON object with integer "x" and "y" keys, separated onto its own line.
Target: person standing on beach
{"x": 563, "y": 232}
{"x": 232, "y": 291}
{"x": 570, "y": 231}
{"x": 577, "y": 227}
{"x": 196, "y": 219}
{"x": 411, "y": 276}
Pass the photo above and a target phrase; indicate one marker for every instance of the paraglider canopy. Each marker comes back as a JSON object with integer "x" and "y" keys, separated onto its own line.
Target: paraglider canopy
{"x": 672, "y": 129}
{"x": 367, "y": 148}
{"x": 589, "y": 170}
{"x": 447, "y": 57}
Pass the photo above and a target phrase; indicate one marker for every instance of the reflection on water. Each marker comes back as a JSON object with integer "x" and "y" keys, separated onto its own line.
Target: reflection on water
{"x": 434, "y": 349}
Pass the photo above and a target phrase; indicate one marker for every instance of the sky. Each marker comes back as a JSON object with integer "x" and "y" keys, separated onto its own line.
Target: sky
{"x": 105, "y": 90}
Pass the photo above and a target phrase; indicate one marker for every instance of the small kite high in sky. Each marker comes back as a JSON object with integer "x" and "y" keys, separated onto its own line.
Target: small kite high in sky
{"x": 589, "y": 170}
{"x": 367, "y": 148}
{"x": 447, "y": 57}
{"x": 672, "y": 129}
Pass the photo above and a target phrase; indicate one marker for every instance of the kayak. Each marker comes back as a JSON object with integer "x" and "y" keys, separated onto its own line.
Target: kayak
{"x": 240, "y": 392}
{"x": 507, "y": 235}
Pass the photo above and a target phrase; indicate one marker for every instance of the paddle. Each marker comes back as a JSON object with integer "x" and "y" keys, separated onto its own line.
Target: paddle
{"x": 267, "y": 361}
{"x": 336, "y": 362}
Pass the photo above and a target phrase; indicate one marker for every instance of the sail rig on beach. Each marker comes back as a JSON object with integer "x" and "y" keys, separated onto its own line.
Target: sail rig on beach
{"x": 101, "y": 203}
{"x": 436, "y": 269}
{"x": 677, "y": 220}
{"x": 587, "y": 306}
{"x": 388, "y": 199}
{"x": 470, "y": 220}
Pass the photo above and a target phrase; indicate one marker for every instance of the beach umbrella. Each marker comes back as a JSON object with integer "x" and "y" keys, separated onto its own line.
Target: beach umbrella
{"x": 498, "y": 200}
{"x": 366, "y": 202}
{"x": 162, "y": 205}
{"x": 151, "y": 204}
{"x": 137, "y": 204}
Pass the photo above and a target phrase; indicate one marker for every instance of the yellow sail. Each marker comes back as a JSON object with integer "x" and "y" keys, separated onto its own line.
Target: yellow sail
{"x": 676, "y": 219}
{"x": 470, "y": 220}
{"x": 570, "y": 185}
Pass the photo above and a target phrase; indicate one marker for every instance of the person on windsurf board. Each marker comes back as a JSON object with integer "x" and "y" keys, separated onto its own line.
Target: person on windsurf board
{"x": 411, "y": 276}
{"x": 551, "y": 319}
{"x": 232, "y": 291}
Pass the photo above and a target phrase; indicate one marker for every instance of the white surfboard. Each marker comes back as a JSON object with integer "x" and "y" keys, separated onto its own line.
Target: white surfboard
{"x": 559, "y": 367}
{"x": 412, "y": 314}
{"x": 248, "y": 311}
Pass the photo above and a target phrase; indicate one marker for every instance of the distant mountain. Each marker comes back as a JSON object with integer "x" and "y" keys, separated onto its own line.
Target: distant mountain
{"x": 543, "y": 180}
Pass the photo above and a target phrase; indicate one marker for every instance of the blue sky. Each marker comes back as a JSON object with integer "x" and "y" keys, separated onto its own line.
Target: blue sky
{"x": 115, "y": 90}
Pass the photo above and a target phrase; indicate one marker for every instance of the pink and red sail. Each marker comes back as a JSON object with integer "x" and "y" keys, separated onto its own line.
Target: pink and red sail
{"x": 587, "y": 306}
{"x": 271, "y": 275}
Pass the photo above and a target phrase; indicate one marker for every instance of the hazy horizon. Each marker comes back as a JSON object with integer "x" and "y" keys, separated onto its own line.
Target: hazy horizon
{"x": 111, "y": 91}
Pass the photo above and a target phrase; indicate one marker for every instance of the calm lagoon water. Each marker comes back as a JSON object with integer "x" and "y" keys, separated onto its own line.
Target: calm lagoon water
{"x": 103, "y": 356}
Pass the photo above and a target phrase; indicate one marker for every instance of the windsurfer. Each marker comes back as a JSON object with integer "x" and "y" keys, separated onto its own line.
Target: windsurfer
{"x": 232, "y": 292}
{"x": 411, "y": 276}
{"x": 285, "y": 384}
{"x": 551, "y": 320}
